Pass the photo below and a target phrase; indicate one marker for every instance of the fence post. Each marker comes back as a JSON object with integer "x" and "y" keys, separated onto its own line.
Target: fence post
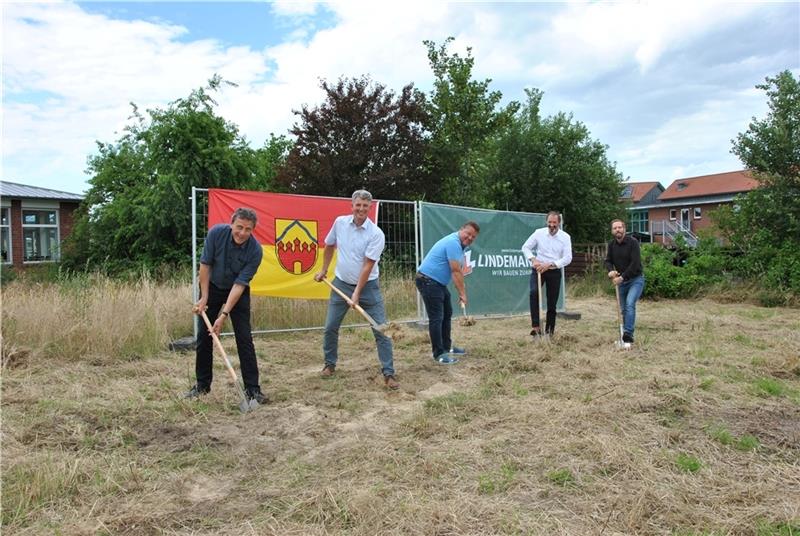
{"x": 195, "y": 295}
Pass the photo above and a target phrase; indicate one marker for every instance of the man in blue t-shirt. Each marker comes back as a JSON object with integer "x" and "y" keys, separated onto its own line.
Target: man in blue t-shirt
{"x": 443, "y": 263}
{"x": 230, "y": 258}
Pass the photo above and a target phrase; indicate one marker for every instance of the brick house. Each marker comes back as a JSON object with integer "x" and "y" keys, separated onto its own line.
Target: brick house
{"x": 685, "y": 206}
{"x": 34, "y": 223}
{"x": 640, "y": 194}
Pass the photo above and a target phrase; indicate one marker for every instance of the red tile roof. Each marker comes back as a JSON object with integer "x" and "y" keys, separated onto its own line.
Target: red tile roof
{"x": 719, "y": 183}
{"x": 640, "y": 189}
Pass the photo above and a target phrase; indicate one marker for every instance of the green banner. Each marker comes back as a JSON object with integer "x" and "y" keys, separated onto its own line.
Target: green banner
{"x": 500, "y": 280}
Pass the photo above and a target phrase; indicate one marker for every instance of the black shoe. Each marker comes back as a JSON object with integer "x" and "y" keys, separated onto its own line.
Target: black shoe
{"x": 257, "y": 395}
{"x": 627, "y": 337}
{"x": 197, "y": 391}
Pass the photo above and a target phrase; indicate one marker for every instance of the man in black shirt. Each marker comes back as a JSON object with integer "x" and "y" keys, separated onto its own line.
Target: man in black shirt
{"x": 624, "y": 265}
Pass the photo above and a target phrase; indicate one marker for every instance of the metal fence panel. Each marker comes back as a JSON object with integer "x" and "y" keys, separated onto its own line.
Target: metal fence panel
{"x": 397, "y": 219}
{"x": 499, "y": 282}
{"x": 492, "y": 289}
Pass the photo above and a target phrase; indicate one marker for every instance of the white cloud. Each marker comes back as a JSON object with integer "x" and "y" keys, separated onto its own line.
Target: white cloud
{"x": 90, "y": 68}
{"x": 69, "y": 75}
{"x": 288, "y": 8}
{"x": 601, "y": 37}
{"x": 693, "y": 144}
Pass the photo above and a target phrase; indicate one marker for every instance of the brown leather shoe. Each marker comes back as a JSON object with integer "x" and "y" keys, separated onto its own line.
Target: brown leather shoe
{"x": 391, "y": 382}
{"x": 328, "y": 371}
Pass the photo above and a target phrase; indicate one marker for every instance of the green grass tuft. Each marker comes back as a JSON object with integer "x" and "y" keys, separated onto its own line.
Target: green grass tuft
{"x": 769, "y": 387}
{"x": 562, "y": 477}
{"x": 688, "y": 463}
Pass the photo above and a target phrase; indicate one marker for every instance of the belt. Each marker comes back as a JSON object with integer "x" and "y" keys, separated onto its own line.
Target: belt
{"x": 420, "y": 275}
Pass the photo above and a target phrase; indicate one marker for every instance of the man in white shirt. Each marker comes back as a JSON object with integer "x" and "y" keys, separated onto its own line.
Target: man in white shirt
{"x": 548, "y": 250}
{"x": 360, "y": 243}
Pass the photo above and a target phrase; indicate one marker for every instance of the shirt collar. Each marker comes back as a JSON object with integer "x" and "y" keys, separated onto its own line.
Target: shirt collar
{"x": 365, "y": 225}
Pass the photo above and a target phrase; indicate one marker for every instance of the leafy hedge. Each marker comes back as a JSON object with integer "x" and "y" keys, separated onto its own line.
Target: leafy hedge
{"x": 685, "y": 272}
{"x": 677, "y": 274}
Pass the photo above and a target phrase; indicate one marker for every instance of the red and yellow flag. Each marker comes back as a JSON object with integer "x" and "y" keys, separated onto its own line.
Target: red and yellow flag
{"x": 291, "y": 229}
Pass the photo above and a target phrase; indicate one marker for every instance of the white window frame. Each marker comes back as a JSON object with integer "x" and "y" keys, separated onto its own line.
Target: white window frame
{"x": 7, "y": 227}
{"x": 697, "y": 213}
{"x": 40, "y": 207}
{"x": 673, "y": 214}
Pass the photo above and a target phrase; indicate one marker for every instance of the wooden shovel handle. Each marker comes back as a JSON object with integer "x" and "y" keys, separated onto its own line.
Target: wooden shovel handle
{"x": 356, "y": 306}
{"x": 218, "y": 344}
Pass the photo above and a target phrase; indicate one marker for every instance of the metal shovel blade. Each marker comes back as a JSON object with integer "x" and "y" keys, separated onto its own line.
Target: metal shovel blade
{"x": 246, "y": 406}
{"x": 622, "y": 345}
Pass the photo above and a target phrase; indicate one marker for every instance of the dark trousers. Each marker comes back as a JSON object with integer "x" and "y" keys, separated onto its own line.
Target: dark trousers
{"x": 440, "y": 312}
{"x": 240, "y": 318}
{"x": 551, "y": 280}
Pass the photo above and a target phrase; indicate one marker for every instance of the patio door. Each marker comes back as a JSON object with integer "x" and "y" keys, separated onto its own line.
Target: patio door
{"x": 685, "y": 222}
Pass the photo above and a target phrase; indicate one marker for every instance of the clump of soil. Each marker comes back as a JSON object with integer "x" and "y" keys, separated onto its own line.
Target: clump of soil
{"x": 466, "y": 321}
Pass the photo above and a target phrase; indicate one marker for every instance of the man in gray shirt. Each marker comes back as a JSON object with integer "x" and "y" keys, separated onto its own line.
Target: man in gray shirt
{"x": 230, "y": 259}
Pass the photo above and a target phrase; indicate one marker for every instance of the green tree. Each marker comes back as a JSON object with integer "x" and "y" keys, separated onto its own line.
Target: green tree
{"x": 765, "y": 223}
{"x": 771, "y": 146}
{"x": 360, "y": 137}
{"x": 465, "y": 119}
{"x": 137, "y": 210}
{"x": 269, "y": 159}
{"x": 553, "y": 163}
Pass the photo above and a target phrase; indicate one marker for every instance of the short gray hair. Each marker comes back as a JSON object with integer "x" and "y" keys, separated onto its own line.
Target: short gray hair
{"x": 244, "y": 213}
{"x": 362, "y": 194}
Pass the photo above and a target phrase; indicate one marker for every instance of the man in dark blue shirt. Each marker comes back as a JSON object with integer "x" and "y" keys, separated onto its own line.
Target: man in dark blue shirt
{"x": 230, "y": 258}
{"x": 624, "y": 265}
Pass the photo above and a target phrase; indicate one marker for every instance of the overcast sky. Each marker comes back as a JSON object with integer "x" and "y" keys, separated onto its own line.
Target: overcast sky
{"x": 666, "y": 85}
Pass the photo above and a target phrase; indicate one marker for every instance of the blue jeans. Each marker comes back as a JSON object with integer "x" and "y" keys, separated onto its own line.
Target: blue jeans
{"x": 371, "y": 301}
{"x": 440, "y": 312}
{"x": 629, "y": 293}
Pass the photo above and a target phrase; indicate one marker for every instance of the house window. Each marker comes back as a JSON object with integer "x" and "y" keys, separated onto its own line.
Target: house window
{"x": 40, "y": 235}
{"x": 697, "y": 213}
{"x": 639, "y": 222}
{"x": 673, "y": 214}
{"x": 5, "y": 234}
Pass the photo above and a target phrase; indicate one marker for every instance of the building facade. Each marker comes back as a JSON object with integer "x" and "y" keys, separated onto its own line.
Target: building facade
{"x": 34, "y": 223}
{"x": 685, "y": 207}
{"x": 640, "y": 194}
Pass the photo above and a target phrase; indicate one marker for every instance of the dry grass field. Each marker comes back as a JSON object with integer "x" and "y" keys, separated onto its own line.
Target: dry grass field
{"x": 695, "y": 431}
